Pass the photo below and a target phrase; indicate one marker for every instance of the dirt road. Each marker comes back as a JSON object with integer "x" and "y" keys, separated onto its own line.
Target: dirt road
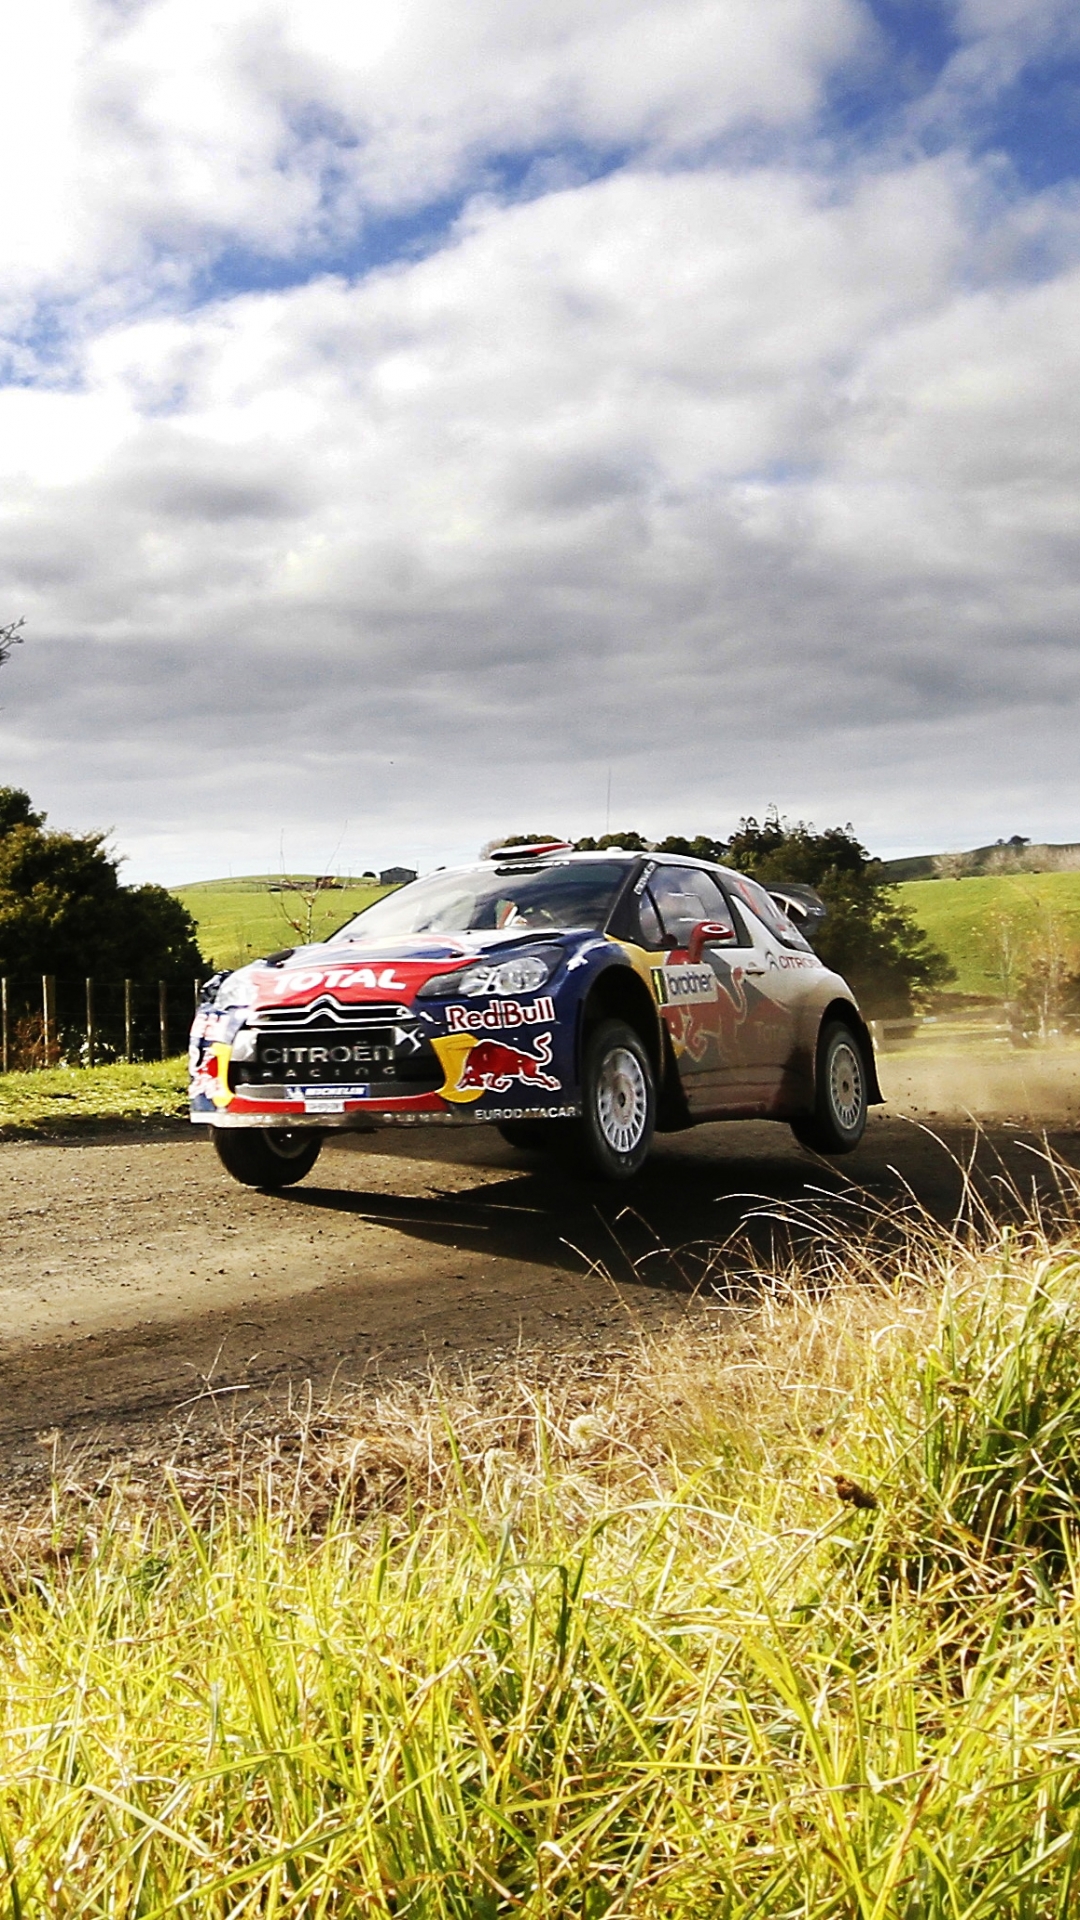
{"x": 137, "y": 1280}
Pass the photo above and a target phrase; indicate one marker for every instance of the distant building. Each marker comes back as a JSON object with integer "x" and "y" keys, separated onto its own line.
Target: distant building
{"x": 396, "y": 876}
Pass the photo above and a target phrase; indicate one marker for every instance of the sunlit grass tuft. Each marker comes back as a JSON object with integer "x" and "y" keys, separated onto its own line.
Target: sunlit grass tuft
{"x": 620, "y": 1643}
{"x": 60, "y": 1097}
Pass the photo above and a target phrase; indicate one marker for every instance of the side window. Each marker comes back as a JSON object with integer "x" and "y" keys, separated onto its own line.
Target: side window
{"x": 684, "y": 895}
{"x": 652, "y": 933}
{"x": 764, "y": 906}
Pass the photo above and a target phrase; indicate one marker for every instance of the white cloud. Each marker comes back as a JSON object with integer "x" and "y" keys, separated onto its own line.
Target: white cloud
{"x": 1000, "y": 44}
{"x": 141, "y": 141}
{"x": 724, "y": 479}
{"x": 441, "y": 86}
{"x": 747, "y": 478}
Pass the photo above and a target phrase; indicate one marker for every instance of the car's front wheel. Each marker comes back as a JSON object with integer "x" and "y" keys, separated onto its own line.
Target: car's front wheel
{"x": 267, "y": 1156}
{"x": 618, "y": 1102}
{"x": 839, "y": 1117}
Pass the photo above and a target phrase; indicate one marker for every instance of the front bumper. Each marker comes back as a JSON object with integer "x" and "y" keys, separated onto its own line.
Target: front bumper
{"x": 336, "y": 1065}
{"x": 365, "y": 1117}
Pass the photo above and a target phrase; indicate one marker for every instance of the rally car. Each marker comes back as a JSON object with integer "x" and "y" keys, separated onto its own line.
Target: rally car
{"x": 577, "y": 1001}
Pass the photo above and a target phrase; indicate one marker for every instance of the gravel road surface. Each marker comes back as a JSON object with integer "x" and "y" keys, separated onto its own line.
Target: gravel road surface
{"x": 138, "y": 1281}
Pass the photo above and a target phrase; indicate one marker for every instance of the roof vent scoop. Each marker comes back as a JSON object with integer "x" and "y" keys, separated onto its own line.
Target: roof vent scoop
{"x": 530, "y": 852}
{"x": 804, "y": 908}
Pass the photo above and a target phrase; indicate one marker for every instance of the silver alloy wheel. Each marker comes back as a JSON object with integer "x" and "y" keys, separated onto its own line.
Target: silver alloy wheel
{"x": 288, "y": 1143}
{"x": 846, "y": 1085}
{"x": 622, "y": 1100}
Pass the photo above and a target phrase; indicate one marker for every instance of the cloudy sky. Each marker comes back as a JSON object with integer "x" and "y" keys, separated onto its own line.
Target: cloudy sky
{"x": 417, "y": 419}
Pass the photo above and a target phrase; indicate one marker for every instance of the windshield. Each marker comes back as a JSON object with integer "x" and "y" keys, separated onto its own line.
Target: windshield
{"x": 475, "y": 899}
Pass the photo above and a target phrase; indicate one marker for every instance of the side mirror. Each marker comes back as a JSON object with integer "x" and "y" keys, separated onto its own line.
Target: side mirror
{"x": 708, "y": 933}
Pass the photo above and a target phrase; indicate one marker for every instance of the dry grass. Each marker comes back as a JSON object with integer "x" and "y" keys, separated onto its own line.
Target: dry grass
{"x": 773, "y": 1617}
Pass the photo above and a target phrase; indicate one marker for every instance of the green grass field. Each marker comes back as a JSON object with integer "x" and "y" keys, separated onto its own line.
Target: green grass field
{"x": 240, "y": 919}
{"x": 64, "y": 1097}
{"x": 971, "y": 920}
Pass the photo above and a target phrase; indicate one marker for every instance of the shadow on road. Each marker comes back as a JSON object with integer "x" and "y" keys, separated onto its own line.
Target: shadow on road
{"x": 700, "y": 1200}
{"x": 396, "y": 1255}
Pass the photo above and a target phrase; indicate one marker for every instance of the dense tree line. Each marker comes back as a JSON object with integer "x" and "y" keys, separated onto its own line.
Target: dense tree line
{"x": 868, "y": 936}
{"x": 64, "y": 911}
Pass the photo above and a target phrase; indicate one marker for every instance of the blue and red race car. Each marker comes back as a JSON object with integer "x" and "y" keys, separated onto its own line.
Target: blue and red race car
{"x": 577, "y": 1001}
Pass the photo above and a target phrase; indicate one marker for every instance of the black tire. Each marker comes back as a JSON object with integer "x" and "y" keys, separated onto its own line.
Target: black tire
{"x": 267, "y": 1156}
{"x": 618, "y": 1103}
{"x": 839, "y": 1117}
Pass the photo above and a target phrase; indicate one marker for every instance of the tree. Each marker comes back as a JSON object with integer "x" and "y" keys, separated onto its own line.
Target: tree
{"x": 629, "y": 842}
{"x": 10, "y": 636}
{"x": 700, "y": 848}
{"x": 16, "y": 811}
{"x": 63, "y": 910}
{"x": 299, "y": 900}
{"x": 1007, "y": 949}
{"x": 1045, "y": 998}
{"x": 868, "y": 936}
{"x": 517, "y": 840}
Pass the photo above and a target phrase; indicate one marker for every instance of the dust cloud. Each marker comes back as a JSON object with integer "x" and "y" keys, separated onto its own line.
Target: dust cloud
{"x": 1032, "y": 1088}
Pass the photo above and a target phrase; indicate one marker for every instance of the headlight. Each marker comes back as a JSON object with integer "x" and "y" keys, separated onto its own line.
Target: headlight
{"x": 238, "y": 990}
{"x": 524, "y": 974}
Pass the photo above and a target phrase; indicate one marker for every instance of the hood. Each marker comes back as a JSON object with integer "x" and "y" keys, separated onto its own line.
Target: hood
{"x": 372, "y": 968}
{"x": 433, "y": 947}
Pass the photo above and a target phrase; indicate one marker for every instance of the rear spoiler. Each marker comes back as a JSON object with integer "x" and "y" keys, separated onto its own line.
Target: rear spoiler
{"x": 804, "y": 908}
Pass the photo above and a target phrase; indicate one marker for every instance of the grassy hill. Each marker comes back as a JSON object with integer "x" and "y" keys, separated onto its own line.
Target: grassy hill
{"x": 1002, "y": 857}
{"x": 240, "y": 919}
{"x": 965, "y": 918}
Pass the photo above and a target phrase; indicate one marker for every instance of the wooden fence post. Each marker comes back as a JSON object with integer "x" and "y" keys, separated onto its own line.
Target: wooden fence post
{"x": 48, "y": 1011}
{"x": 4, "y": 1021}
{"x": 128, "y": 1020}
{"x": 163, "y": 1017}
{"x": 91, "y": 1025}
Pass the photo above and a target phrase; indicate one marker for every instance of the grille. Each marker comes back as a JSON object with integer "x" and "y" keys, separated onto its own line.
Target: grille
{"x": 385, "y": 1056}
{"x": 327, "y": 1013}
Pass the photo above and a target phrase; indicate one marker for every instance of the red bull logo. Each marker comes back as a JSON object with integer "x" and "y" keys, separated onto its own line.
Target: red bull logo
{"x": 500, "y": 1013}
{"x": 475, "y": 1067}
{"x": 492, "y": 1066}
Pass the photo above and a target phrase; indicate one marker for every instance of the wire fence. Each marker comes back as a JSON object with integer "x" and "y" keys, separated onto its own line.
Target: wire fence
{"x": 91, "y": 1022}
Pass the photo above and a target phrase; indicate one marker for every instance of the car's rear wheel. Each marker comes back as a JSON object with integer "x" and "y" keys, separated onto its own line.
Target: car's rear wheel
{"x": 839, "y": 1117}
{"x": 618, "y": 1102}
{"x": 267, "y": 1156}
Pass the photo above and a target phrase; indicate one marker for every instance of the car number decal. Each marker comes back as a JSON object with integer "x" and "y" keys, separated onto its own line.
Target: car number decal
{"x": 685, "y": 986}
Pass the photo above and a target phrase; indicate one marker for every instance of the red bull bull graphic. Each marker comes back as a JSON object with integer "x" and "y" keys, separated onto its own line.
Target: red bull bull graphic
{"x": 475, "y": 1067}
{"x": 492, "y": 1066}
{"x": 700, "y": 1006}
